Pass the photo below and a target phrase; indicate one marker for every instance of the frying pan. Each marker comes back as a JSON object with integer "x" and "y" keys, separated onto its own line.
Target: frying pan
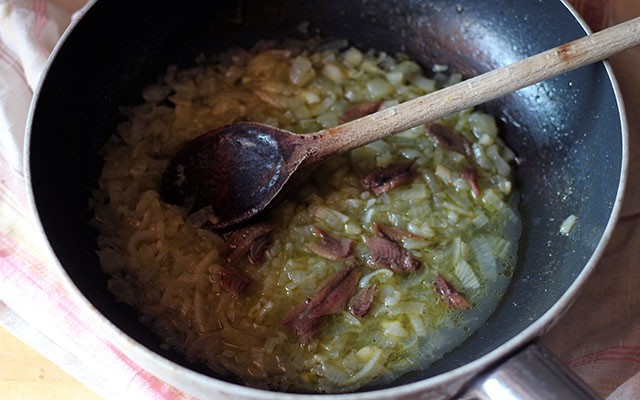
{"x": 570, "y": 131}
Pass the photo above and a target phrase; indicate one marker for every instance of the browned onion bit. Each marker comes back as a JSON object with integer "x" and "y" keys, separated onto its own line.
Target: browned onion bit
{"x": 390, "y": 177}
{"x": 331, "y": 247}
{"x": 469, "y": 173}
{"x": 234, "y": 281}
{"x": 451, "y": 297}
{"x": 361, "y": 303}
{"x": 393, "y": 233}
{"x": 448, "y": 138}
{"x": 251, "y": 240}
{"x": 259, "y": 248}
{"x": 307, "y": 319}
{"x": 388, "y": 254}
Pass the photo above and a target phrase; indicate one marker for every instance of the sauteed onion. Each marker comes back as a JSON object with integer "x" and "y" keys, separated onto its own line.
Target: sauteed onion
{"x": 453, "y": 214}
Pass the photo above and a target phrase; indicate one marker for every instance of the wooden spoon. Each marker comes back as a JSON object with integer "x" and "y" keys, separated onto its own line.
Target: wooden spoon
{"x": 242, "y": 169}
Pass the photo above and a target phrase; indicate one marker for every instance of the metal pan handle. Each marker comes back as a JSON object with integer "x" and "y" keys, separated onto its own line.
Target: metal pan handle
{"x": 531, "y": 374}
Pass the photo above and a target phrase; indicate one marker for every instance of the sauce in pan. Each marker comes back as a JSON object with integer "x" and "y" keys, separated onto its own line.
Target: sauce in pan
{"x": 384, "y": 260}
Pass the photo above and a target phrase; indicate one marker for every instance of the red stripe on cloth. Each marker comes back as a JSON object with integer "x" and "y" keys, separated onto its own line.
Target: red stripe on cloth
{"x": 10, "y": 57}
{"x": 12, "y": 61}
{"x": 40, "y": 18}
{"x": 616, "y": 353}
{"x": 158, "y": 386}
{"x": 24, "y": 277}
{"x": 635, "y": 360}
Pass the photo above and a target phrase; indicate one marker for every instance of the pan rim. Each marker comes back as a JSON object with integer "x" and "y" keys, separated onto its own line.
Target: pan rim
{"x": 190, "y": 381}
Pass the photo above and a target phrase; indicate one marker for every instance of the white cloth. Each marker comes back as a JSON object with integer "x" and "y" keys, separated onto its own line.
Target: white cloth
{"x": 28, "y": 32}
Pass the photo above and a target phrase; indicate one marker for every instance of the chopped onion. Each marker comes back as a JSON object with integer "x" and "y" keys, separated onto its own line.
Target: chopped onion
{"x": 440, "y": 68}
{"x": 364, "y": 281}
{"x": 481, "y": 220}
{"x": 466, "y": 276}
{"x": 418, "y": 325}
{"x": 484, "y": 256}
{"x": 426, "y": 84}
{"x": 568, "y": 224}
{"x": 444, "y": 173}
{"x": 335, "y": 375}
{"x": 395, "y": 77}
{"x": 378, "y": 88}
{"x": 301, "y": 71}
{"x": 501, "y": 165}
{"x": 368, "y": 368}
{"x": 333, "y": 72}
{"x": 409, "y": 307}
{"x": 352, "y": 57}
{"x": 491, "y": 199}
{"x": 483, "y": 124}
{"x": 393, "y": 328}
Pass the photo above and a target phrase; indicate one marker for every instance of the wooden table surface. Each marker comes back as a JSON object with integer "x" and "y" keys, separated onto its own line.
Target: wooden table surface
{"x": 26, "y": 375}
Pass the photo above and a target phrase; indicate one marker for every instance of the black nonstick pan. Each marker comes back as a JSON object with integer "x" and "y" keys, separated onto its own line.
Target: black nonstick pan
{"x": 569, "y": 131}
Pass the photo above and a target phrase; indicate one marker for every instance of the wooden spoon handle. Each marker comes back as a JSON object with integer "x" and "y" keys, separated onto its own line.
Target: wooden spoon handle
{"x": 477, "y": 90}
